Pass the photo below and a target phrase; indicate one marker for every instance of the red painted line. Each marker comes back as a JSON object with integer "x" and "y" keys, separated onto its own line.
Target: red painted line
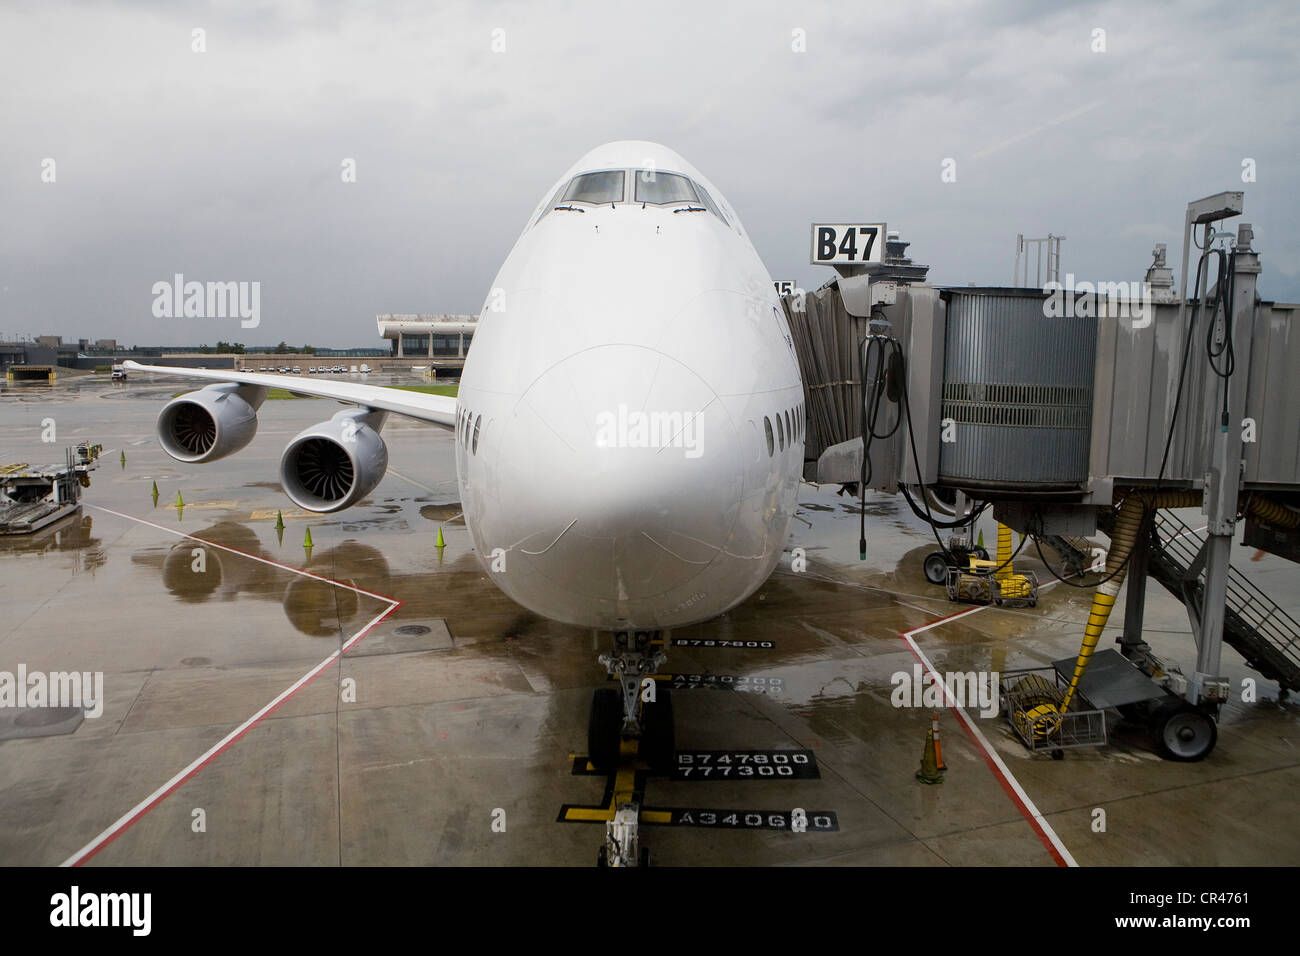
{"x": 132, "y": 816}
{"x": 136, "y": 813}
{"x": 964, "y": 720}
{"x": 245, "y": 554}
{"x": 1015, "y": 798}
{"x": 1009, "y": 784}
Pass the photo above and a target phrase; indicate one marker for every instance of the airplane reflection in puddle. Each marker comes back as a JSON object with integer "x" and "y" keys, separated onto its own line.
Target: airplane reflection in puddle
{"x": 314, "y": 607}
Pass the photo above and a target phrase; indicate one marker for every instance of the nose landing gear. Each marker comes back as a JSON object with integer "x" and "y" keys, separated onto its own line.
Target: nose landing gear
{"x": 640, "y": 712}
{"x": 636, "y": 710}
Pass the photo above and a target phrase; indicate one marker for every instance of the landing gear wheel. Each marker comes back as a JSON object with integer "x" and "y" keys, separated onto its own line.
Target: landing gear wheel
{"x": 657, "y": 736}
{"x": 604, "y": 728}
{"x": 936, "y": 567}
{"x": 1182, "y": 732}
{"x": 982, "y": 554}
{"x": 1058, "y": 754}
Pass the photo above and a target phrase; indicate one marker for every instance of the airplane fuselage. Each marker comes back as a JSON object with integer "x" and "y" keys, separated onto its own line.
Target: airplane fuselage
{"x": 629, "y": 430}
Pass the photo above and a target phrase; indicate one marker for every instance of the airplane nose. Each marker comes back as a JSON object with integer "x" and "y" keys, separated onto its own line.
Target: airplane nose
{"x": 621, "y": 480}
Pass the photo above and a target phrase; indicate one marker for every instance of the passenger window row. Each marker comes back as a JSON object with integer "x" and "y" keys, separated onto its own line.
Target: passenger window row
{"x": 468, "y": 426}
{"x": 789, "y": 429}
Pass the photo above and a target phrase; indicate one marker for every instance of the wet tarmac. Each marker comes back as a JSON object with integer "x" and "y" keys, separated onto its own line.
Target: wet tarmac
{"x": 374, "y": 701}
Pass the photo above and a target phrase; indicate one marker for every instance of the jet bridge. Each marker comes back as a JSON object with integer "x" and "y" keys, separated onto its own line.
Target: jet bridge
{"x": 1070, "y": 410}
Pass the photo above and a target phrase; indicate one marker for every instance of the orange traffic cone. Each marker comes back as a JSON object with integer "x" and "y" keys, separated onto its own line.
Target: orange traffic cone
{"x": 938, "y": 747}
{"x": 929, "y": 772}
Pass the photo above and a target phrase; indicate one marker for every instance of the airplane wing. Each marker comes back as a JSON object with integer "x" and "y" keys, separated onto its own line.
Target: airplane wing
{"x": 437, "y": 409}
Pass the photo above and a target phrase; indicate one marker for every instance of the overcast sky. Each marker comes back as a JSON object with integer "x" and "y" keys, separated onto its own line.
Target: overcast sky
{"x": 225, "y": 165}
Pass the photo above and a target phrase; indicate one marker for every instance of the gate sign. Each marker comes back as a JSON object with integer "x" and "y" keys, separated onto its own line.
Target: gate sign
{"x": 784, "y": 286}
{"x": 844, "y": 244}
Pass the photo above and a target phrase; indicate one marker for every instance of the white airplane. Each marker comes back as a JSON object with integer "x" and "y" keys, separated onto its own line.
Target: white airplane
{"x": 629, "y": 425}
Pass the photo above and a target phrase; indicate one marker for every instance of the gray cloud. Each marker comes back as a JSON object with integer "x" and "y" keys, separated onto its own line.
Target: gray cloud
{"x": 225, "y": 165}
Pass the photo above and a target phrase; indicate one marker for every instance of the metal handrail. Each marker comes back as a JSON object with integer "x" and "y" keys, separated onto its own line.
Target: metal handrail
{"x": 1247, "y": 602}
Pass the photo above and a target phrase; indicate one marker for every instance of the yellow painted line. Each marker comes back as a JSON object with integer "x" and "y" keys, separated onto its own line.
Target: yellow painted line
{"x": 624, "y": 785}
{"x": 623, "y": 790}
{"x": 265, "y": 514}
{"x": 206, "y": 505}
{"x": 656, "y": 816}
{"x": 584, "y": 814}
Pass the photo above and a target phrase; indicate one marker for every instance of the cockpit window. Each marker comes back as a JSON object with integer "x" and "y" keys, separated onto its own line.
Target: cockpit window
{"x": 595, "y": 188}
{"x": 649, "y": 187}
{"x": 659, "y": 188}
{"x": 709, "y": 203}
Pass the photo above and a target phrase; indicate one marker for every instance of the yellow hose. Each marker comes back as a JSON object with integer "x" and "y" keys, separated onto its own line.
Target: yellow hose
{"x": 1004, "y": 552}
{"x": 1122, "y": 539}
{"x": 1273, "y": 512}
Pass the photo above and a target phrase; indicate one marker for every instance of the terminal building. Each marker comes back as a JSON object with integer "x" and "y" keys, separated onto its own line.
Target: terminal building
{"x": 436, "y": 337}
{"x": 430, "y": 342}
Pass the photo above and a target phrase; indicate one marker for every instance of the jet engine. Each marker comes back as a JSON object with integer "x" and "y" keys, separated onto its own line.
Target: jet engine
{"x": 333, "y": 465}
{"x": 211, "y": 423}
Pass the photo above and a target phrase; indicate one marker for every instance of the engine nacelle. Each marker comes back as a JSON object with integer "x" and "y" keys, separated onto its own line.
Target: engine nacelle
{"x": 211, "y": 423}
{"x": 333, "y": 465}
